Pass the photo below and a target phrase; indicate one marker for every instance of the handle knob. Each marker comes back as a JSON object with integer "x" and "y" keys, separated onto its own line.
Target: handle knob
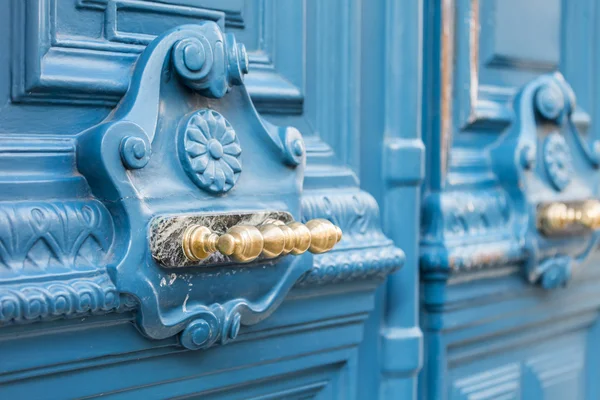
{"x": 591, "y": 214}
{"x": 245, "y": 243}
{"x": 324, "y": 235}
{"x": 199, "y": 242}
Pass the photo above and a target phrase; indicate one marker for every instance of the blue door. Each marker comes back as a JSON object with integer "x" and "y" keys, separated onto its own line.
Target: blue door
{"x": 509, "y": 305}
{"x": 289, "y": 199}
{"x": 181, "y": 213}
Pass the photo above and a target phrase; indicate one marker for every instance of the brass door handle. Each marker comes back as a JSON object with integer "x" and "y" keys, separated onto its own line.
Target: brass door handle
{"x": 564, "y": 218}
{"x": 245, "y": 243}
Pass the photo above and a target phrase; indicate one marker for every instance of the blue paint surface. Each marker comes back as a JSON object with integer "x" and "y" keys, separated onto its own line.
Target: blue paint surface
{"x": 122, "y": 111}
{"x": 429, "y": 132}
{"x": 507, "y": 311}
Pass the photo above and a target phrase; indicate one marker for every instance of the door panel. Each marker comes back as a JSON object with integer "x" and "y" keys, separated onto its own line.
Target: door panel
{"x": 143, "y": 170}
{"x": 506, "y": 295}
{"x": 182, "y": 216}
{"x": 553, "y": 370}
{"x": 82, "y": 51}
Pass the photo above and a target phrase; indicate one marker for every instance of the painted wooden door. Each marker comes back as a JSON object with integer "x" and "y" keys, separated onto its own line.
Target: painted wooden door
{"x": 509, "y": 230}
{"x": 231, "y": 199}
{"x": 180, "y": 212}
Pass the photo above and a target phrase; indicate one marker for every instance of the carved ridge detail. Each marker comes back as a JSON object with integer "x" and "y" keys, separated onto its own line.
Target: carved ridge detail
{"x": 341, "y": 267}
{"x": 471, "y": 257}
{"x": 29, "y": 302}
{"x": 461, "y": 214}
{"x": 356, "y": 213}
{"x": 468, "y": 230}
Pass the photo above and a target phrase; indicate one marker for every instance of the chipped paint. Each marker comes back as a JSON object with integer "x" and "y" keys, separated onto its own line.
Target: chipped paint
{"x": 447, "y": 71}
{"x": 187, "y": 297}
{"x": 474, "y": 27}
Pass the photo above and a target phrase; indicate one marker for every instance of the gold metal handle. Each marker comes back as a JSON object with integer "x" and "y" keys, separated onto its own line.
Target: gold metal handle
{"x": 245, "y": 243}
{"x": 557, "y": 218}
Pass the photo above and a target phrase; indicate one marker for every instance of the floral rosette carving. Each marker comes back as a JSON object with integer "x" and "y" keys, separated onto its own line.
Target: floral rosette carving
{"x": 557, "y": 159}
{"x": 211, "y": 152}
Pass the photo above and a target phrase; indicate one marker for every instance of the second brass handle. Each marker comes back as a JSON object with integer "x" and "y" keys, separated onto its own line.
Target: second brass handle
{"x": 556, "y": 218}
{"x": 245, "y": 243}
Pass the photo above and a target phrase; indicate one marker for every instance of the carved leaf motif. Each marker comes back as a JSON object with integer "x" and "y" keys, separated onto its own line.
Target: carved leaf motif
{"x": 357, "y": 214}
{"x": 233, "y": 149}
{"x": 229, "y": 174}
{"x": 228, "y": 139}
{"x": 210, "y": 173}
{"x": 200, "y": 164}
{"x": 197, "y": 135}
{"x": 88, "y": 216}
{"x": 38, "y": 237}
{"x": 233, "y": 162}
{"x": 219, "y": 180}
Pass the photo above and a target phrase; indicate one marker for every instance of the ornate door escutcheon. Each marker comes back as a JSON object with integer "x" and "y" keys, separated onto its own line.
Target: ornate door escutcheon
{"x": 545, "y": 165}
{"x": 225, "y": 239}
{"x": 539, "y": 211}
{"x": 175, "y": 162}
{"x": 186, "y": 140}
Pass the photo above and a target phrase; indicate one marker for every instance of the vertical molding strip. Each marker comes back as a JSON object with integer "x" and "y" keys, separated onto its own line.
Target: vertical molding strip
{"x": 402, "y": 340}
{"x": 446, "y": 91}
